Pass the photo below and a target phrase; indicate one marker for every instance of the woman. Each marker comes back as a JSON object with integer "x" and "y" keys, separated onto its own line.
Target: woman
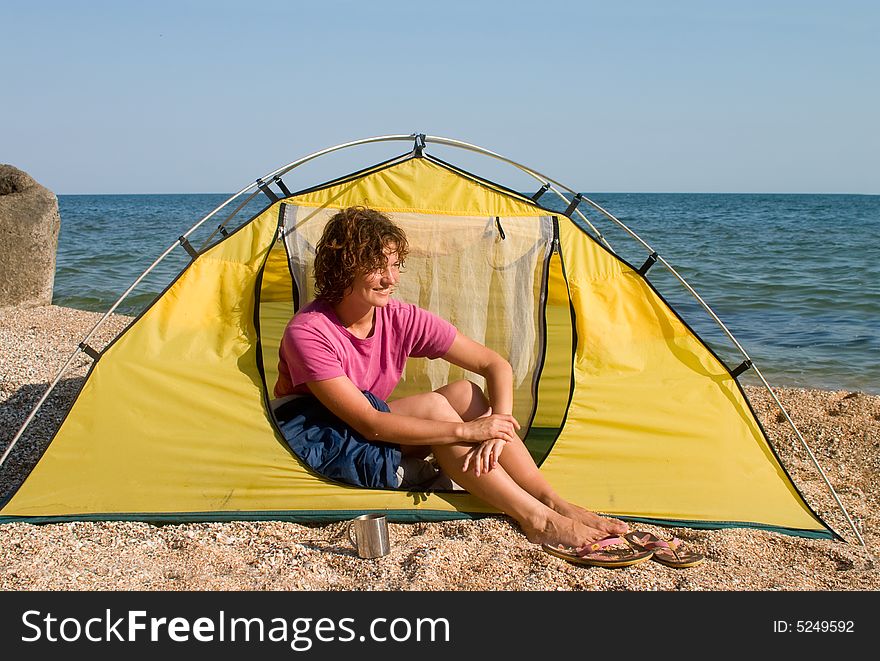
{"x": 347, "y": 350}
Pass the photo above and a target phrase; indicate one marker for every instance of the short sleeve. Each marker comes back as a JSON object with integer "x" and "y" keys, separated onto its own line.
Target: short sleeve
{"x": 431, "y": 335}
{"x": 309, "y": 355}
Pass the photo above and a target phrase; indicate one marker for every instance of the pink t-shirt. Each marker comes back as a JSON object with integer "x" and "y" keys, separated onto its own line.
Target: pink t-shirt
{"x": 316, "y": 346}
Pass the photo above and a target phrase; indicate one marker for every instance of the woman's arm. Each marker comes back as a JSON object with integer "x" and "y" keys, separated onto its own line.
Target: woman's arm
{"x": 348, "y": 403}
{"x": 474, "y": 357}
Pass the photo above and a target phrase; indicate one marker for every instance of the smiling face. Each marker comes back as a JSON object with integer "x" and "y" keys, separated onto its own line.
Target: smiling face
{"x": 376, "y": 286}
{"x": 352, "y": 257}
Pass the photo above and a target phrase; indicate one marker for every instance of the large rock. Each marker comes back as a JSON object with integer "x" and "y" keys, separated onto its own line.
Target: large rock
{"x": 29, "y": 224}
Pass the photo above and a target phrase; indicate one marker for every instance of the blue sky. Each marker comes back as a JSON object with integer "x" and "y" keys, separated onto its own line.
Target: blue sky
{"x": 193, "y": 96}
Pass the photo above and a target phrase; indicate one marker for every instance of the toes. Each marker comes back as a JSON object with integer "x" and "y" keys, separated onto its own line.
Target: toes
{"x": 616, "y": 525}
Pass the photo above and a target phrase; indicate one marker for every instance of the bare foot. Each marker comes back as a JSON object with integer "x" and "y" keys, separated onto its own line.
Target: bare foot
{"x": 558, "y": 530}
{"x": 606, "y": 524}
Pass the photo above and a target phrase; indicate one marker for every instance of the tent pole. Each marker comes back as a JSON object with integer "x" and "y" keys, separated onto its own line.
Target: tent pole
{"x": 599, "y": 234}
{"x": 228, "y": 218}
{"x": 812, "y": 457}
{"x": 295, "y": 164}
{"x": 544, "y": 180}
{"x": 37, "y": 407}
{"x": 84, "y": 341}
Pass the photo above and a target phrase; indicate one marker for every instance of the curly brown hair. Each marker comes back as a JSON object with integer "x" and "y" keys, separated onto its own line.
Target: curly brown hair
{"x": 352, "y": 244}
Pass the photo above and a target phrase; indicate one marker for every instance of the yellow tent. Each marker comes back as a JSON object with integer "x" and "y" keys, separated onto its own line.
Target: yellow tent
{"x": 628, "y": 412}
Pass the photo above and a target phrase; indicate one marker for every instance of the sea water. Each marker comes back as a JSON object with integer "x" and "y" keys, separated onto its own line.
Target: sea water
{"x": 794, "y": 278}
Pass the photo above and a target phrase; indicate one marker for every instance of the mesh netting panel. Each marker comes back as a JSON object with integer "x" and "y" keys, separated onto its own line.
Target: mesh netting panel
{"x": 461, "y": 269}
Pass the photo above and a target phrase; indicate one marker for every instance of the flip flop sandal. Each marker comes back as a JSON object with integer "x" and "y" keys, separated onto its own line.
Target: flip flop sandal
{"x": 601, "y": 553}
{"x": 667, "y": 553}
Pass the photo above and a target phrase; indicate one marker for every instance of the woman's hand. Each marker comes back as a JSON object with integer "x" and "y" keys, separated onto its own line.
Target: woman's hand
{"x": 491, "y": 432}
{"x": 484, "y": 457}
{"x": 498, "y": 426}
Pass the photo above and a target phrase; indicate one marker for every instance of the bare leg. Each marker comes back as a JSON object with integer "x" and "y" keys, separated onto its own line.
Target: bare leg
{"x": 428, "y": 406}
{"x": 541, "y": 524}
{"x": 538, "y": 515}
{"x": 518, "y": 462}
{"x": 468, "y": 400}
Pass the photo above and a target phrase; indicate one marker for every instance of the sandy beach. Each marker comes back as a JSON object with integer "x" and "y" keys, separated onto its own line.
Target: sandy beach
{"x": 842, "y": 428}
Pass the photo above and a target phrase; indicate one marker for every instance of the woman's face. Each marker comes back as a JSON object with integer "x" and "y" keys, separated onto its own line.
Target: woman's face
{"x": 376, "y": 287}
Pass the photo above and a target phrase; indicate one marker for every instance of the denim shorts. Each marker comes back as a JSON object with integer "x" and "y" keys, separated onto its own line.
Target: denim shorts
{"x": 335, "y": 450}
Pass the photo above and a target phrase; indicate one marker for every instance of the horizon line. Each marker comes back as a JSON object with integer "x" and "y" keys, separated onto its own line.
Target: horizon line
{"x": 582, "y": 192}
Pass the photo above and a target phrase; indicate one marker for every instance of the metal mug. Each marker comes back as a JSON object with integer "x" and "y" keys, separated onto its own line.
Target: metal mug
{"x": 370, "y": 536}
